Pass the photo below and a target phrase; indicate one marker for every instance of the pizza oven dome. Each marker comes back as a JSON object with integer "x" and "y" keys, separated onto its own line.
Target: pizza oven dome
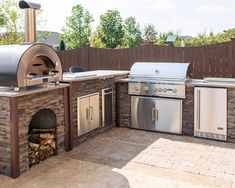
{"x": 27, "y": 65}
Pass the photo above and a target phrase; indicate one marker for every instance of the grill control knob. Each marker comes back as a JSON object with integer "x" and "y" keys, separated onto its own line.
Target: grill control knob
{"x": 160, "y": 90}
{"x": 164, "y": 90}
{"x": 146, "y": 88}
{"x": 136, "y": 88}
{"x": 174, "y": 90}
{"x": 155, "y": 89}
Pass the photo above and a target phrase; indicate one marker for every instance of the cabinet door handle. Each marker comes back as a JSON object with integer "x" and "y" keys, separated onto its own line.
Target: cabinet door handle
{"x": 153, "y": 114}
{"x": 87, "y": 113}
{"x": 91, "y": 112}
{"x": 156, "y": 114}
{"x": 198, "y": 108}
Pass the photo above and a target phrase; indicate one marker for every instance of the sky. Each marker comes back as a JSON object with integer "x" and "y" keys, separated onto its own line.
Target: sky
{"x": 187, "y": 17}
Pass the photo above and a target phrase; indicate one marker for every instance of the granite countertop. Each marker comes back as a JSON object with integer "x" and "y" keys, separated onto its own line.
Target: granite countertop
{"x": 89, "y": 75}
{"x": 223, "y": 83}
{"x": 9, "y": 92}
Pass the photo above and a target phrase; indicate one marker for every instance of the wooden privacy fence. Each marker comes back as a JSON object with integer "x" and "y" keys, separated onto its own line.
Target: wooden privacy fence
{"x": 215, "y": 60}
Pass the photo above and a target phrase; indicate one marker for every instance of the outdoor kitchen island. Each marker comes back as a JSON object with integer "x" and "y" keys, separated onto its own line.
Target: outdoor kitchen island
{"x": 124, "y": 106}
{"x": 92, "y": 102}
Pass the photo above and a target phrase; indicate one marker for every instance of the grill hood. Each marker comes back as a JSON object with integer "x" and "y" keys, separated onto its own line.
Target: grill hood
{"x": 159, "y": 70}
{"x": 26, "y": 65}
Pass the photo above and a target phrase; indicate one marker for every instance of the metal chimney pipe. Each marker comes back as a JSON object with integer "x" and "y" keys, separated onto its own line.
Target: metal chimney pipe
{"x": 30, "y": 20}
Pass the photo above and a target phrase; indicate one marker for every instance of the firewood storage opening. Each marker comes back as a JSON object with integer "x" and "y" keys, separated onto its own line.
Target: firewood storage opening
{"x": 42, "y": 138}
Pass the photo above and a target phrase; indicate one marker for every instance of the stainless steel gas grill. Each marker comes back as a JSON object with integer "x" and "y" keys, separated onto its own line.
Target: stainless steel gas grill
{"x": 28, "y": 65}
{"x": 157, "y": 90}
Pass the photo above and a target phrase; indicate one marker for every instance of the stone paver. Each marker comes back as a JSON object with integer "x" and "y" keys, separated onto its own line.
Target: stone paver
{"x": 131, "y": 158}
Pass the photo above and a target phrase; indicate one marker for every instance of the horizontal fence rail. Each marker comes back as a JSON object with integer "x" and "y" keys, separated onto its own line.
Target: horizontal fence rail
{"x": 215, "y": 60}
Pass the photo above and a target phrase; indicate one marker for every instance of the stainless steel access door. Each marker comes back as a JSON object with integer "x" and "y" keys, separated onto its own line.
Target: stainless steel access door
{"x": 143, "y": 114}
{"x": 88, "y": 113}
{"x": 83, "y": 115}
{"x": 169, "y": 115}
{"x": 94, "y": 111}
{"x": 210, "y": 111}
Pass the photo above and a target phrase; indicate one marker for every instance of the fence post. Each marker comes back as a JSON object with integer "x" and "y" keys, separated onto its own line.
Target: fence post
{"x": 231, "y": 56}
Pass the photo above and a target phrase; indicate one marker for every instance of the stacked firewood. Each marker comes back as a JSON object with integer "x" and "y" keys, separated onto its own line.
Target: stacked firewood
{"x": 41, "y": 146}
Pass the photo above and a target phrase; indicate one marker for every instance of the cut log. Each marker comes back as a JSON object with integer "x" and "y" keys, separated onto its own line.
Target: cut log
{"x": 53, "y": 145}
{"x": 41, "y": 147}
{"x": 46, "y": 135}
{"x": 33, "y": 146}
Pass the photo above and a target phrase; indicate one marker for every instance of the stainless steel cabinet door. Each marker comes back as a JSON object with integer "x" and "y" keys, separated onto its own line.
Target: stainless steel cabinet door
{"x": 83, "y": 115}
{"x": 143, "y": 114}
{"x": 169, "y": 115}
{"x": 94, "y": 111}
{"x": 211, "y": 110}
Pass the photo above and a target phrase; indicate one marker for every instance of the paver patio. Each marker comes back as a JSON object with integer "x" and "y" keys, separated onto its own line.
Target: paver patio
{"x": 124, "y": 157}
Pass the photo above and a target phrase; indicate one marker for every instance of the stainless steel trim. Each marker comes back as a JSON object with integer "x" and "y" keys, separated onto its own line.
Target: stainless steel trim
{"x": 40, "y": 80}
{"x": 210, "y": 135}
{"x": 104, "y": 93}
{"x": 157, "y": 89}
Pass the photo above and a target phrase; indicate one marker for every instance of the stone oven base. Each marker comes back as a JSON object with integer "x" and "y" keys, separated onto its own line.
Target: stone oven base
{"x": 16, "y": 113}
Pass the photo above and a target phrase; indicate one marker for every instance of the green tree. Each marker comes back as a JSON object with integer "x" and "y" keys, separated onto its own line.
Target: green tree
{"x": 132, "y": 31}
{"x": 96, "y": 41}
{"x": 62, "y": 45}
{"x": 11, "y": 22}
{"x": 110, "y": 31}
{"x": 77, "y": 31}
{"x": 203, "y": 39}
{"x": 150, "y": 33}
{"x": 2, "y": 20}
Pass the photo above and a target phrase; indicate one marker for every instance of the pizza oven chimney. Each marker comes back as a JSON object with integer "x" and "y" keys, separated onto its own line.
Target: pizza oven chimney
{"x": 30, "y": 20}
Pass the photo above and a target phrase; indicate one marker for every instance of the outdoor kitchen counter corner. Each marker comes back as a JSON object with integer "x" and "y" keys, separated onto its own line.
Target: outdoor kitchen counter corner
{"x": 90, "y": 86}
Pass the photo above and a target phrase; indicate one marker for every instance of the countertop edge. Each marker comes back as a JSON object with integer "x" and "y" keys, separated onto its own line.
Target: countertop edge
{"x": 94, "y": 77}
{"x": 33, "y": 91}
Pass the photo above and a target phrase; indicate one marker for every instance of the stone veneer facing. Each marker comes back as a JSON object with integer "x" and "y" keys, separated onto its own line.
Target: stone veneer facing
{"x": 15, "y": 116}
